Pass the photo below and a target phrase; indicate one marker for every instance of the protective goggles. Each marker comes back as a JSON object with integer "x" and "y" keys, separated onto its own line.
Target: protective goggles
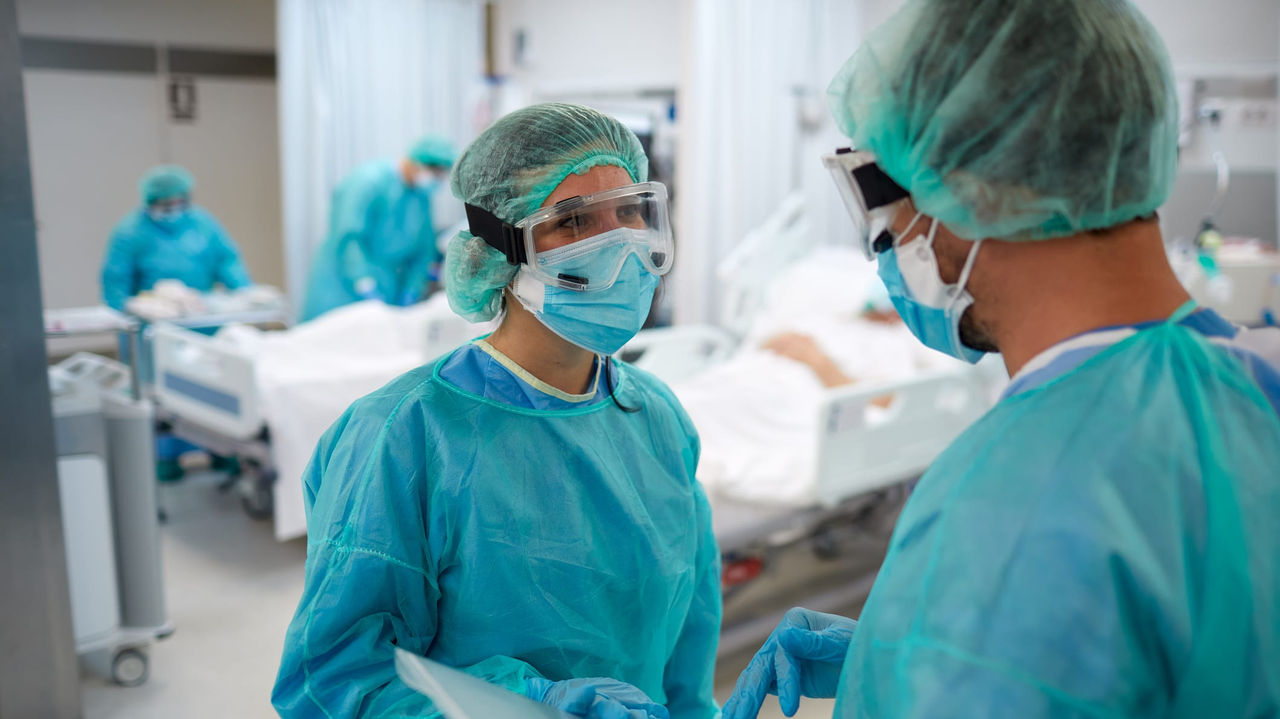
{"x": 585, "y": 240}
{"x": 870, "y": 195}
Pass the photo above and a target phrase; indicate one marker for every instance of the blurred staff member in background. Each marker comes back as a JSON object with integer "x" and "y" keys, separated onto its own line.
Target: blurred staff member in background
{"x": 382, "y": 243}
{"x": 168, "y": 238}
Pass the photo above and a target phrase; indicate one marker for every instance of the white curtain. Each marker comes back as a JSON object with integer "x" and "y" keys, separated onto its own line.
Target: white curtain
{"x": 361, "y": 80}
{"x": 753, "y": 127}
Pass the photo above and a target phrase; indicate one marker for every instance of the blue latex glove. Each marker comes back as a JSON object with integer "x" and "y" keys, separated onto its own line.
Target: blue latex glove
{"x": 595, "y": 698}
{"x": 803, "y": 657}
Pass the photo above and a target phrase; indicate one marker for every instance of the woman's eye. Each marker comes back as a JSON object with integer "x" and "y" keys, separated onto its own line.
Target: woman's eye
{"x": 630, "y": 215}
{"x": 574, "y": 223}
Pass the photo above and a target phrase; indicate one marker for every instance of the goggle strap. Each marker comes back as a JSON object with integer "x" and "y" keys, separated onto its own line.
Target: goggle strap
{"x": 501, "y": 236}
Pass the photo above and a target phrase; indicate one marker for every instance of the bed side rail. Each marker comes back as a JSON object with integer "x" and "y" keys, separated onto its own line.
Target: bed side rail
{"x": 676, "y": 353}
{"x": 206, "y": 383}
{"x": 856, "y": 454}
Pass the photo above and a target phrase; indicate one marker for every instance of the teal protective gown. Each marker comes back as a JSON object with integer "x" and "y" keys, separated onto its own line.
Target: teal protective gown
{"x": 1104, "y": 544}
{"x": 195, "y": 250}
{"x": 462, "y": 515}
{"x": 381, "y": 243}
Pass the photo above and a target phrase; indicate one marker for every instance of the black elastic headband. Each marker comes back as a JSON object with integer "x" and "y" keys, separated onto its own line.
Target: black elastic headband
{"x": 501, "y": 236}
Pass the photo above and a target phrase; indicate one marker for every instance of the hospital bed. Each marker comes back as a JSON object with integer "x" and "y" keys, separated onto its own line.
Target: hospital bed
{"x": 246, "y": 399}
{"x": 865, "y": 458}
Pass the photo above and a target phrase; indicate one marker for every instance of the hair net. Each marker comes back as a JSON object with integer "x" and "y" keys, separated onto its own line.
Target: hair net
{"x": 1020, "y": 119}
{"x": 163, "y": 182}
{"x": 474, "y": 275}
{"x": 433, "y": 150}
{"x": 510, "y": 170}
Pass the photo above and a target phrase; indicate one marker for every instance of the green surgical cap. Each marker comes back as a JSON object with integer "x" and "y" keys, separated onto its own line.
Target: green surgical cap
{"x": 510, "y": 170}
{"x": 432, "y": 151}
{"x": 513, "y": 166}
{"x": 1016, "y": 119}
{"x": 164, "y": 182}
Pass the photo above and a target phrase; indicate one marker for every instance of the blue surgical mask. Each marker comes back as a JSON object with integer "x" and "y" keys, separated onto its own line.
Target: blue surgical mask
{"x": 930, "y": 307}
{"x": 426, "y": 181}
{"x": 601, "y": 321}
{"x": 168, "y": 218}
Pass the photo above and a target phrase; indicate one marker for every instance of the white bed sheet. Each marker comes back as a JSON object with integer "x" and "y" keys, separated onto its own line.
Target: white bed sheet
{"x": 307, "y": 376}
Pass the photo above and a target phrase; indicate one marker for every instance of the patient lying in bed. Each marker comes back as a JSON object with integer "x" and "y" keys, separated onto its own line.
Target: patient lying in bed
{"x": 825, "y": 326}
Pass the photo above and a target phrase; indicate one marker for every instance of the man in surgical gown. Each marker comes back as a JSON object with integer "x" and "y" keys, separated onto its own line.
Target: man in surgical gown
{"x": 168, "y": 238}
{"x": 1105, "y": 542}
{"x": 381, "y": 243}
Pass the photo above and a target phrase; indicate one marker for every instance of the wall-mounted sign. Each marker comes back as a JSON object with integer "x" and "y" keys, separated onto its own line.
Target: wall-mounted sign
{"x": 182, "y": 99}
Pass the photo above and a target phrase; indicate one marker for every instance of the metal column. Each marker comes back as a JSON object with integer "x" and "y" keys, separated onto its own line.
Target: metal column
{"x": 39, "y": 674}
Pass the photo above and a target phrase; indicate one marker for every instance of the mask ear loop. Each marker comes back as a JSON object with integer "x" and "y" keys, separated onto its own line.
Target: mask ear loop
{"x": 966, "y": 271}
{"x": 907, "y": 230}
{"x": 957, "y": 290}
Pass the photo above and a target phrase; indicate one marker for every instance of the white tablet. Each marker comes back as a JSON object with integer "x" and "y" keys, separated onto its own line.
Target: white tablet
{"x": 459, "y": 695}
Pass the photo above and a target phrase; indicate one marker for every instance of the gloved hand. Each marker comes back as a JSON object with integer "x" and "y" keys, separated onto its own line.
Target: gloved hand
{"x": 803, "y": 657}
{"x": 595, "y": 698}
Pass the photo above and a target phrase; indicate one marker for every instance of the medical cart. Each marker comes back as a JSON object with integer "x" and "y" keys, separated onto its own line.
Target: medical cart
{"x": 107, "y": 487}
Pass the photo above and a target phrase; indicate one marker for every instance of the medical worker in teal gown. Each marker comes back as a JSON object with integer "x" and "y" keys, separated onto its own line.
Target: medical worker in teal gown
{"x": 524, "y": 508}
{"x": 168, "y": 238}
{"x": 382, "y": 242}
{"x": 1104, "y": 542}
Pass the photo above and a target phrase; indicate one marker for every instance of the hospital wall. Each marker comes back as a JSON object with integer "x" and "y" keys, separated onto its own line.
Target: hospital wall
{"x": 1224, "y": 44}
{"x": 94, "y": 132}
{"x": 543, "y": 46}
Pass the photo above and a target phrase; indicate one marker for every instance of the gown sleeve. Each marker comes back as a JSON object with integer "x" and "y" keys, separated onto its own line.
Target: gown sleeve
{"x": 371, "y": 579}
{"x": 119, "y": 268}
{"x": 353, "y": 207}
{"x": 422, "y": 270}
{"x": 231, "y": 271}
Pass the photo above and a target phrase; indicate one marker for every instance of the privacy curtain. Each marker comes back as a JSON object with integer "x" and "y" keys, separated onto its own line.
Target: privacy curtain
{"x": 753, "y": 126}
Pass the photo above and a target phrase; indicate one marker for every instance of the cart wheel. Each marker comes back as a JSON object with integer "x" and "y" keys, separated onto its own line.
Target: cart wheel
{"x": 257, "y": 501}
{"x": 130, "y": 667}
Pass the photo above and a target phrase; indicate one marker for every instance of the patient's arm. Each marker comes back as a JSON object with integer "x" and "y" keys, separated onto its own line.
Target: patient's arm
{"x": 803, "y": 349}
{"x": 881, "y": 317}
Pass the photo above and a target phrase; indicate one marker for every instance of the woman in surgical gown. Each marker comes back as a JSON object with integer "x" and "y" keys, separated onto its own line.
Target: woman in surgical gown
{"x": 524, "y": 508}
